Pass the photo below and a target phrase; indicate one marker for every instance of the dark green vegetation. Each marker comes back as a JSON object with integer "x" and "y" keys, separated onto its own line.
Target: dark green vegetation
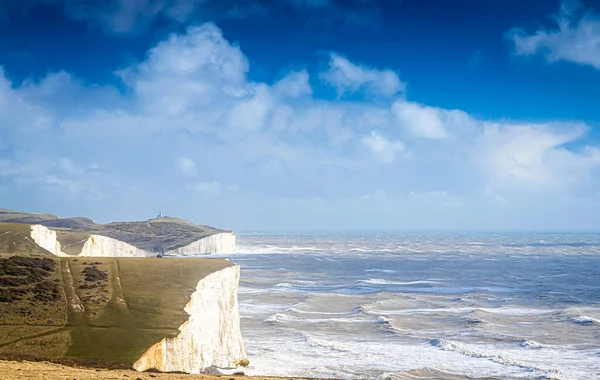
{"x": 28, "y": 278}
{"x": 92, "y": 310}
{"x": 157, "y": 234}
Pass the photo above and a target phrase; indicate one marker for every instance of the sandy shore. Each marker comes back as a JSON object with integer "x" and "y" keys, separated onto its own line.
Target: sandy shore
{"x": 10, "y": 370}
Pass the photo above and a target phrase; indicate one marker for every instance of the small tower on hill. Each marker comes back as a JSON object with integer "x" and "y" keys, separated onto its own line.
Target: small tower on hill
{"x": 160, "y": 215}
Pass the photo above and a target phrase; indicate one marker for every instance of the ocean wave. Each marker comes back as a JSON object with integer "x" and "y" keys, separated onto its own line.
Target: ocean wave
{"x": 306, "y": 286}
{"x": 530, "y": 344}
{"x": 321, "y": 343}
{"x": 279, "y": 319}
{"x": 473, "y": 317}
{"x": 243, "y": 290}
{"x": 584, "y": 320}
{"x": 386, "y": 325}
{"x": 285, "y": 319}
{"x": 298, "y": 311}
{"x": 380, "y": 281}
{"x": 283, "y": 285}
{"x": 518, "y": 311}
{"x": 370, "y": 309}
{"x": 381, "y": 270}
{"x": 483, "y": 354}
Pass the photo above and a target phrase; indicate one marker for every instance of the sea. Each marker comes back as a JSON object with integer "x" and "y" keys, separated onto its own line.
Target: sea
{"x": 421, "y": 305}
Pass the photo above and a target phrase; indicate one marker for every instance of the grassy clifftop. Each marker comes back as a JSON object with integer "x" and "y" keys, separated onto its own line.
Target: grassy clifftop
{"x": 157, "y": 234}
{"x": 16, "y": 238}
{"x": 107, "y": 310}
{"x": 96, "y": 311}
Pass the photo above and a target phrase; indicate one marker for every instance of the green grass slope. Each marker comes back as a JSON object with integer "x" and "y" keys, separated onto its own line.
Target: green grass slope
{"x": 108, "y": 310}
{"x": 16, "y": 238}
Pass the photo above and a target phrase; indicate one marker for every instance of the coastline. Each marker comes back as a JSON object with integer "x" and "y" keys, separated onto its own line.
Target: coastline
{"x": 44, "y": 370}
{"x": 12, "y": 370}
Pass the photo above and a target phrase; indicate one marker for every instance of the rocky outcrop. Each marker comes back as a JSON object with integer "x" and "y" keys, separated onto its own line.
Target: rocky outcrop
{"x": 223, "y": 242}
{"x": 211, "y": 337}
{"x": 45, "y": 238}
{"x": 102, "y": 246}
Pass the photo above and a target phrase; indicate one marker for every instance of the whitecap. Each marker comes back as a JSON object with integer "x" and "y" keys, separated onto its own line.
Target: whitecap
{"x": 336, "y": 346}
{"x": 483, "y": 354}
{"x": 530, "y": 344}
{"x": 279, "y": 319}
{"x": 584, "y": 320}
{"x": 298, "y": 311}
{"x": 380, "y": 281}
{"x": 381, "y": 270}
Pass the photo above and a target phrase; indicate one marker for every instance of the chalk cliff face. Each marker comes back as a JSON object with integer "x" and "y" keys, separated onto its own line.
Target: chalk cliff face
{"x": 95, "y": 245}
{"x": 223, "y": 242}
{"x": 45, "y": 238}
{"x": 102, "y": 246}
{"x": 211, "y": 337}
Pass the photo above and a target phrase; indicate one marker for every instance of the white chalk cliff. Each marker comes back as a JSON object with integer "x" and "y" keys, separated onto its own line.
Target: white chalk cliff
{"x": 223, "y": 242}
{"x": 211, "y": 337}
{"x": 102, "y": 246}
{"x": 95, "y": 245}
{"x": 45, "y": 238}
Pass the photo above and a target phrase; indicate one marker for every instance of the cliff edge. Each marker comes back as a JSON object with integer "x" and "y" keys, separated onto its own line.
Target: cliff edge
{"x": 162, "y": 235}
{"x": 166, "y": 314}
{"x": 210, "y": 337}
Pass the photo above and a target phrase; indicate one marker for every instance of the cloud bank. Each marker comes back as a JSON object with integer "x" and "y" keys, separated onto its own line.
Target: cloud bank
{"x": 191, "y": 135}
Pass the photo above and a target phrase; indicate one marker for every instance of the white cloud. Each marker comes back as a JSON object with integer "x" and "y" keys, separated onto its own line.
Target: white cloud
{"x": 422, "y": 121}
{"x": 575, "y": 38}
{"x": 432, "y": 122}
{"x": 348, "y": 77}
{"x": 534, "y": 157}
{"x": 195, "y": 70}
{"x": 250, "y": 113}
{"x": 383, "y": 149}
{"x": 294, "y": 85}
{"x": 187, "y": 167}
{"x": 255, "y": 142}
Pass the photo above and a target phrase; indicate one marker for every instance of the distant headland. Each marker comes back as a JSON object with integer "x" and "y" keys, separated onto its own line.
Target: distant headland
{"x": 81, "y": 236}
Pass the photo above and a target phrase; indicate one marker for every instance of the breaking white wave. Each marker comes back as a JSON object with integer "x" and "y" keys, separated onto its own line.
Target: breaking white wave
{"x": 286, "y": 319}
{"x": 379, "y": 281}
{"x": 518, "y": 311}
{"x": 584, "y": 320}
{"x": 381, "y": 270}
{"x": 485, "y": 354}
{"x": 386, "y": 325}
{"x": 298, "y": 311}
{"x": 531, "y": 344}
{"x": 322, "y": 343}
{"x": 278, "y": 319}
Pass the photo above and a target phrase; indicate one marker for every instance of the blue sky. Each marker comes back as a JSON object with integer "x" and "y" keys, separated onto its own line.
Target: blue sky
{"x": 304, "y": 114}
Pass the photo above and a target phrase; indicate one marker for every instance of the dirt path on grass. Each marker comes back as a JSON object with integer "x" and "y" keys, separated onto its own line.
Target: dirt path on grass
{"x": 76, "y": 309}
